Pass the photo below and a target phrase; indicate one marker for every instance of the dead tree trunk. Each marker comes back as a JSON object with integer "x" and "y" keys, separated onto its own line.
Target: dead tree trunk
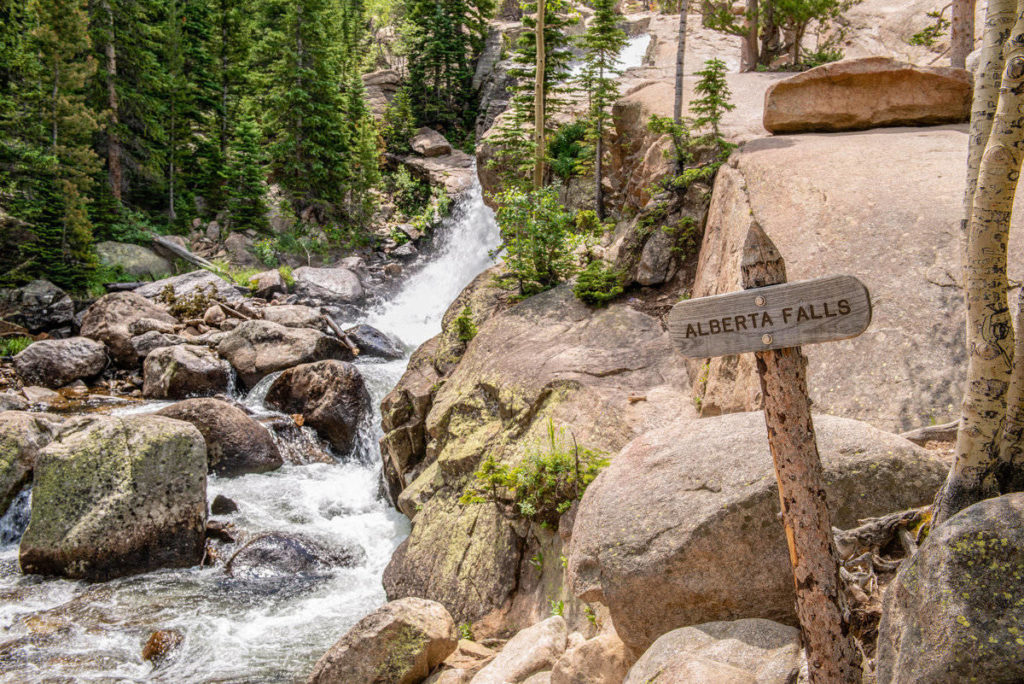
{"x": 677, "y": 112}
{"x": 539, "y": 94}
{"x": 961, "y": 33}
{"x": 832, "y": 655}
{"x": 749, "y": 54}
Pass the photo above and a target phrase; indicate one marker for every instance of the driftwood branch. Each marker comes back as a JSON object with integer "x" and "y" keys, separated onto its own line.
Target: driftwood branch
{"x": 182, "y": 253}
{"x": 876, "y": 533}
{"x": 933, "y": 433}
{"x": 346, "y": 340}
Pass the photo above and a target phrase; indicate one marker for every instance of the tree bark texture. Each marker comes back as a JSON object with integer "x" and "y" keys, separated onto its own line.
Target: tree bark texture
{"x": 999, "y": 18}
{"x": 749, "y": 55}
{"x": 1011, "y": 446}
{"x": 115, "y": 173}
{"x": 961, "y": 33}
{"x": 539, "y": 94}
{"x": 832, "y": 654}
{"x": 990, "y": 338}
{"x": 677, "y": 112}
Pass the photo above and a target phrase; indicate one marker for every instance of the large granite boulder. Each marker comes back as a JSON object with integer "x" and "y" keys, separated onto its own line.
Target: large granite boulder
{"x": 110, "y": 318}
{"x": 871, "y": 92}
{"x": 429, "y": 143}
{"x": 955, "y": 612}
{"x": 235, "y": 443}
{"x": 601, "y": 660}
{"x": 750, "y": 651}
{"x": 399, "y": 643}
{"x": 547, "y": 359}
{"x": 275, "y": 555}
{"x": 842, "y": 204}
{"x": 182, "y": 371}
{"x": 682, "y": 528}
{"x": 40, "y": 305}
{"x": 330, "y": 395}
{"x": 199, "y": 282}
{"x": 258, "y": 348}
{"x": 136, "y": 260}
{"x": 117, "y": 496}
{"x": 530, "y": 651}
{"x": 148, "y": 342}
{"x": 55, "y": 363}
{"x": 326, "y": 286}
{"x": 22, "y": 436}
{"x": 295, "y": 316}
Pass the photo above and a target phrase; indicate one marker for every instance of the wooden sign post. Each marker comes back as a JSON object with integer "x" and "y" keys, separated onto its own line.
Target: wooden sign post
{"x": 772, "y": 320}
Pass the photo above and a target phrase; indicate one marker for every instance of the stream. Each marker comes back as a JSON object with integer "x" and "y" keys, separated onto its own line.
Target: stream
{"x": 54, "y": 630}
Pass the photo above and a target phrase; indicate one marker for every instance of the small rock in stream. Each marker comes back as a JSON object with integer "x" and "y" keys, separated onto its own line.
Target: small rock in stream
{"x": 222, "y": 505}
{"x": 161, "y": 644}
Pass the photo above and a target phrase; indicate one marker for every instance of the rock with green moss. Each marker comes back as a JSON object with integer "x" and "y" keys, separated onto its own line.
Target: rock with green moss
{"x": 22, "y": 436}
{"x": 955, "y": 612}
{"x": 258, "y": 348}
{"x": 135, "y": 260}
{"x": 117, "y": 496}
{"x": 400, "y": 643}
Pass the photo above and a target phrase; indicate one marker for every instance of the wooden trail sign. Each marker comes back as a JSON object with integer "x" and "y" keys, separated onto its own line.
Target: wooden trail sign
{"x": 832, "y": 654}
{"x": 774, "y": 317}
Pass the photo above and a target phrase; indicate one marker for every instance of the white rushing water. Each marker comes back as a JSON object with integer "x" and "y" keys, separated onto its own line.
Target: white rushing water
{"x": 631, "y": 56}
{"x": 59, "y": 630}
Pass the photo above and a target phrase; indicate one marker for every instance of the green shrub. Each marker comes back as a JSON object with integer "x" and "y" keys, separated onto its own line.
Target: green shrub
{"x": 598, "y": 284}
{"x": 535, "y": 230}
{"x": 568, "y": 151}
{"x": 266, "y": 251}
{"x": 927, "y": 36}
{"x": 9, "y": 346}
{"x": 286, "y": 275}
{"x": 464, "y": 326}
{"x": 544, "y": 485}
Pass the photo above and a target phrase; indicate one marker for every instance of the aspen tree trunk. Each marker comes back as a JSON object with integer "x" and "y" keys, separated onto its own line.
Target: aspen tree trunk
{"x": 1011, "y": 445}
{"x": 961, "y": 33}
{"x": 990, "y": 339}
{"x": 677, "y": 114}
{"x": 115, "y": 173}
{"x": 748, "y": 58}
{"x": 999, "y": 18}
{"x": 599, "y": 162}
{"x": 539, "y": 95}
{"x": 832, "y": 655}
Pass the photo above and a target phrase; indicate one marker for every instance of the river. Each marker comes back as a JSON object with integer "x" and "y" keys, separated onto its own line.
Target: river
{"x": 54, "y": 630}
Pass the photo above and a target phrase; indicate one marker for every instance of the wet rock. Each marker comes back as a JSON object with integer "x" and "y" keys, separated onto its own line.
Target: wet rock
{"x": 742, "y": 652}
{"x": 22, "y": 436}
{"x": 373, "y": 342}
{"x": 277, "y": 554}
{"x": 162, "y": 644}
{"x": 268, "y": 283}
{"x": 532, "y": 650}
{"x": 214, "y": 316}
{"x": 235, "y": 443}
{"x": 39, "y": 305}
{"x": 601, "y": 660}
{"x": 399, "y": 643}
{"x": 406, "y": 251}
{"x": 142, "y": 326}
{"x": 39, "y": 395}
{"x": 667, "y": 535}
{"x": 222, "y": 505}
{"x": 295, "y": 316}
{"x": 326, "y": 286}
{"x": 194, "y": 283}
{"x": 10, "y": 401}
{"x": 146, "y": 343}
{"x": 117, "y": 496}
{"x": 258, "y": 348}
{"x": 871, "y": 92}
{"x": 221, "y": 531}
{"x": 429, "y": 143}
{"x": 330, "y": 395}
{"x": 135, "y": 260}
{"x": 184, "y": 370}
{"x": 109, "y": 320}
{"x": 55, "y": 363}
{"x": 955, "y": 612}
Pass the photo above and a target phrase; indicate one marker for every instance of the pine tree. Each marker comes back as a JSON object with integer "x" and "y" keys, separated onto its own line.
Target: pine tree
{"x": 713, "y": 102}
{"x": 602, "y": 44}
{"x": 364, "y": 152}
{"x": 399, "y": 124}
{"x": 247, "y": 192}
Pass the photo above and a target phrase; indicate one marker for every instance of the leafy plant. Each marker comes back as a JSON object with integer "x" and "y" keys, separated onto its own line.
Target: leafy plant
{"x": 822, "y": 56}
{"x": 537, "y": 561}
{"x": 589, "y": 613}
{"x": 9, "y": 346}
{"x": 544, "y": 485}
{"x": 557, "y": 607}
{"x": 466, "y": 631}
{"x": 568, "y": 151}
{"x": 598, "y": 284}
{"x": 286, "y": 275}
{"x": 927, "y": 36}
{"x": 464, "y": 326}
{"x": 534, "y": 228}
{"x": 266, "y": 251}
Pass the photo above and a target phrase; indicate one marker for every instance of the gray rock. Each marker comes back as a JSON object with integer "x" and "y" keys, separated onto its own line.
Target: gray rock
{"x": 295, "y": 316}
{"x": 406, "y": 251}
{"x": 373, "y": 342}
{"x": 750, "y": 651}
{"x": 55, "y": 363}
{"x": 277, "y": 554}
{"x": 196, "y": 282}
{"x": 184, "y": 370}
{"x": 117, "y": 496}
{"x": 258, "y": 348}
{"x": 530, "y": 651}
{"x": 136, "y": 260}
{"x": 429, "y": 143}
{"x": 146, "y": 343}
{"x": 235, "y": 443}
{"x": 239, "y": 249}
{"x": 399, "y": 643}
{"x": 268, "y": 283}
{"x": 142, "y": 326}
{"x": 22, "y": 436}
{"x": 330, "y": 395}
{"x": 10, "y": 401}
{"x": 110, "y": 320}
{"x": 39, "y": 305}
{"x": 657, "y": 262}
{"x": 327, "y": 286}
{"x": 955, "y": 612}
{"x": 668, "y": 534}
